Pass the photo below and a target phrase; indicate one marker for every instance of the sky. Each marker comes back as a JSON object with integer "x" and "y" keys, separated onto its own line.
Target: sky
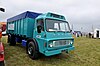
{"x": 83, "y": 15}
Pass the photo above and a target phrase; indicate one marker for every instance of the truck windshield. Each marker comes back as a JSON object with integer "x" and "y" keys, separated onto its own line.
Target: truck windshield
{"x": 57, "y": 25}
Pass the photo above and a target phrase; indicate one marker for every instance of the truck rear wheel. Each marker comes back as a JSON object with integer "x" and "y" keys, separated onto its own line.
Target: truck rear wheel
{"x": 12, "y": 40}
{"x": 32, "y": 50}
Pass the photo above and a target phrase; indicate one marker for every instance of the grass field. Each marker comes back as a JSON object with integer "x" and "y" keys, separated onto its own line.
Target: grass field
{"x": 87, "y": 53}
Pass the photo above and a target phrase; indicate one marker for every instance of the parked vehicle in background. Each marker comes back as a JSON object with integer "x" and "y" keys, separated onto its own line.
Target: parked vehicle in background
{"x": 1, "y": 48}
{"x": 48, "y": 33}
{"x": 1, "y": 54}
{"x": 96, "y": 33}
{"x": 78, "y": 33}
{"x": 2, "y": 28}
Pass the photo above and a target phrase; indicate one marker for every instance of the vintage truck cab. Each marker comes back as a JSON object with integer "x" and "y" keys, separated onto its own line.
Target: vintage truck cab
{"x": 54, "y": 36}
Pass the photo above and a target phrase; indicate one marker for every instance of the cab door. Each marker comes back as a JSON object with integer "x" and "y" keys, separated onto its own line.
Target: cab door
{"x": 40, "y": 34}
{"x": 40, "y": 28}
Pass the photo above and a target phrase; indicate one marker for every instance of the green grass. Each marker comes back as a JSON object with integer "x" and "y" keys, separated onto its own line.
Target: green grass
{"x": 87, "y": 53}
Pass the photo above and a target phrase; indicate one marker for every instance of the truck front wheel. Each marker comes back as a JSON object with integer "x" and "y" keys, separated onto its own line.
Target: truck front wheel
{"x": 32, "y": 50}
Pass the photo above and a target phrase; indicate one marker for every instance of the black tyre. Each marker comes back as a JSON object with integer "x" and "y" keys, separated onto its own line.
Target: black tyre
{"x": 2, "y": 63}
{"x": 9, "y": 38}
{"x": 32, "y": 50}
{"x": 12, "y": 40}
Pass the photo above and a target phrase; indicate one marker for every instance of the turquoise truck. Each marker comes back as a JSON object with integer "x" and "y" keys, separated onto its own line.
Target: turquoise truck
{"x": 48, "y": 33}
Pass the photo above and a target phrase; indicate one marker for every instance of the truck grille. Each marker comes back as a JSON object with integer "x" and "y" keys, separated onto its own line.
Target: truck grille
{"x": 61, "y": 43}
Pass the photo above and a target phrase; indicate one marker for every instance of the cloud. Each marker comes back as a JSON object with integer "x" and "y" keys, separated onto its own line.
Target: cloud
{"x": 81, "y": 13}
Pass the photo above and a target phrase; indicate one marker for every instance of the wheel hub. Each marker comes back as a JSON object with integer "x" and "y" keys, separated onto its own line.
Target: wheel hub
{"x": 30, "y": 50}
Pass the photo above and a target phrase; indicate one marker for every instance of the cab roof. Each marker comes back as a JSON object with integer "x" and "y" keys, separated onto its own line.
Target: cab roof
{"x": 52, "y": 16}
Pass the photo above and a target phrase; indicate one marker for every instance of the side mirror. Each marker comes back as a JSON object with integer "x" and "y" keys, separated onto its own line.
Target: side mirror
{"x": 39, "y": 28}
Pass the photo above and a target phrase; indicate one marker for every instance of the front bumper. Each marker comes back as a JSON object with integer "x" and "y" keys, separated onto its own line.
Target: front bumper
{"x": 58, "y": 51}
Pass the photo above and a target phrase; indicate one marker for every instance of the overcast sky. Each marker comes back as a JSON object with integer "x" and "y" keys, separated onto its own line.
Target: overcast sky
{"x": 82, "y": 14}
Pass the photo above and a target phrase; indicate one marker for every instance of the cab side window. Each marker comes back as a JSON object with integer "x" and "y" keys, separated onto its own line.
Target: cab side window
{"x": 40, "y": 22}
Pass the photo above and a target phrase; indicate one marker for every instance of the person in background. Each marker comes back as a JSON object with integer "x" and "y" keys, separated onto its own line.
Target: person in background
{"x": 89, "y": 35}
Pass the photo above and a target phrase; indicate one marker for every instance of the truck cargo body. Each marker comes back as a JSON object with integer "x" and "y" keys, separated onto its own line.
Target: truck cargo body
{"x": 47, "y": 33}
{"x": 22, "y": 25}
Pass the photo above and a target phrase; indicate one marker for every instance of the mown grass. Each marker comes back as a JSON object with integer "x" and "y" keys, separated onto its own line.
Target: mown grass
{"x": 87, "y": 53}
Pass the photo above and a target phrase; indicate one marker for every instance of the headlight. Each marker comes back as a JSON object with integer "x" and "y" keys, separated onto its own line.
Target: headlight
{"x": 71, "y": 42}
{"x": 52, "y": 44}
{"x": 68, "y": 42}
